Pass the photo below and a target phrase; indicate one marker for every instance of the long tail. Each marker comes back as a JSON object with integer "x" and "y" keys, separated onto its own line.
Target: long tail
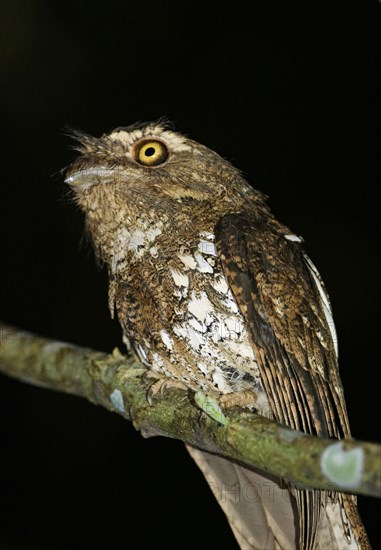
{"x": 258, "y": 509}
{"x": 262, "y": 511}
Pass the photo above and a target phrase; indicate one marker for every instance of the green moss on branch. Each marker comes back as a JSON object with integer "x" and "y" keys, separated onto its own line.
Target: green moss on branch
{"x": 117, "y": 383}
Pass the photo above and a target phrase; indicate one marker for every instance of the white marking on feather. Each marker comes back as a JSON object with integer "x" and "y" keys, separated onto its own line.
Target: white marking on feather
{"x": 325, "y": 302}
{"x": 203, "y": 368}
{"x": 220, "y": 285}
{"x": 233, "y": 326}
{"x": 207, "y": 235}
{"x": 188, "y": 261}
{"x": 152, "y": 233}
{"x": 137, "y": 239}
{"x": 157, "y": 361}
{"x": 208, "y": 319}
{"x": 320, "y": 368}
{"x": 195, "y": 338}
{"x": 332, "y": 328}
{"x": 176, "y": 141}
{"x": 219, "y": 380}
{"x": 119, "y": 246}
{"x": 230, "y": 302}
{"x": 180, "y": 331}
{"x": 243, "y": 349}
{"x": 206, "y": 247}
{"x": 218, "y": 331}
{"x": 200, "y": 307}
{"x": 167, "y": 340}
{"x": 293, "y": 238}
{"x": 124, "y": 241}
{"x": 215, "y": 334}
{"x": 203, "y": 265}
{"x": 317, "y": 279}
{"x": 141, "y": 353}
{"x": 197, "y": 326}
{"x": 228, "y": 328}
{"x": 180, "y": 279}
{"x": 122, "y": 237}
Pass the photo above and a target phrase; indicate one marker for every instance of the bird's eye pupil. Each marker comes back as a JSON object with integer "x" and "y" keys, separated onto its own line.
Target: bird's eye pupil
{"x": 149, "y": 151}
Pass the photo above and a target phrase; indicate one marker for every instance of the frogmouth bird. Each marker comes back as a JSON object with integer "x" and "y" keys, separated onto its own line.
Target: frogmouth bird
{"x": 216, "y": 295}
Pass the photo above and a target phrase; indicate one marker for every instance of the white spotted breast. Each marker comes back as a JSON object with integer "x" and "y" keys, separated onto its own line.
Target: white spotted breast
{"x": 207, "y": 345}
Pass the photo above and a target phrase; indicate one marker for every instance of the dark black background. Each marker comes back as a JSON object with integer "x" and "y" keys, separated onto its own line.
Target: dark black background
{"x": 288, "y": 94}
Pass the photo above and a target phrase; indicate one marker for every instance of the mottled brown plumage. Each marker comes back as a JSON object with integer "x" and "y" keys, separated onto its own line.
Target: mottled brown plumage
{"x": 215, "y": 294}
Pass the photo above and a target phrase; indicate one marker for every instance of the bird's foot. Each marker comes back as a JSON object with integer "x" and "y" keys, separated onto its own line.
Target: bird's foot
{"x": 161, "y": 384}
{"x": 246, "y": 398}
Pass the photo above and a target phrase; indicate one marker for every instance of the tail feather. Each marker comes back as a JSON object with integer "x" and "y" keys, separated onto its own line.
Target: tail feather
{"x": 263, "y": 514}
{"x": 259, "y": 511}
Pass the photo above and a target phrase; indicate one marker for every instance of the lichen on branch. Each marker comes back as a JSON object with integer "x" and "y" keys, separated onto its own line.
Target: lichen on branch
{"x": 117, "y": 382}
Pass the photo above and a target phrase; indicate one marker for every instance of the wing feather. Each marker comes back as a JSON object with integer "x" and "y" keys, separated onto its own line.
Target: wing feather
{"x": 288, "y": 314}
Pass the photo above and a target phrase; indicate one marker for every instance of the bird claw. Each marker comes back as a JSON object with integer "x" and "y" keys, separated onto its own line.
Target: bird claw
{"x": 246, "y": 398}
{"x": 161, "y": 384}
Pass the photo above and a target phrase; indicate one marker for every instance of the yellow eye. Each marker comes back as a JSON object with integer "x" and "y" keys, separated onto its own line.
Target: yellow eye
{"x": 150, "y": 152}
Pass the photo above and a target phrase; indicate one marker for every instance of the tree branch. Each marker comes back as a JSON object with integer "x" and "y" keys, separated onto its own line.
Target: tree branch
{"x": 116, "y": 382}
